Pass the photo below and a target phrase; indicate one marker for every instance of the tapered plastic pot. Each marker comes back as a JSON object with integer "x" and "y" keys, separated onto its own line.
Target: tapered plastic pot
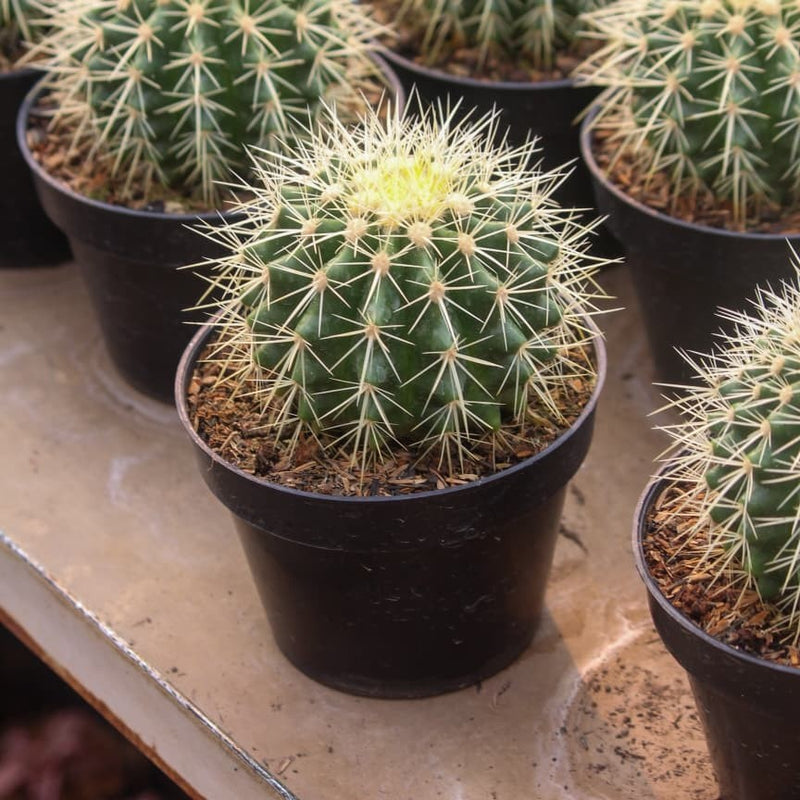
{"x": 547, "y": 109}
{"x": 749, "y": 707}
{"x": 682, "y": 272}
{"x": 130, "y": 261}
{"x": 27, "y": 237}
{"x": 406, "y": 596}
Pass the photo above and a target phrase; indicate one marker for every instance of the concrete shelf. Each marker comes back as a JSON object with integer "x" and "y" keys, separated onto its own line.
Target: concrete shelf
{"x": 121, "y": 570}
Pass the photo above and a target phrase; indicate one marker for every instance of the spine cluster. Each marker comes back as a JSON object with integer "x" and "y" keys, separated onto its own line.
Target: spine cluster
{"x": 406, "y": 282}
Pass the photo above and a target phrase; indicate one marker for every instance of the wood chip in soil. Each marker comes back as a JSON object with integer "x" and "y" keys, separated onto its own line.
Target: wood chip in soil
{"x": 10, "y": 52}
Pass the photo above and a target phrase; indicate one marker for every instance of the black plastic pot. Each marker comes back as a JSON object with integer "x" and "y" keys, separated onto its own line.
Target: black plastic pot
{"x": 682, "y": 272}
{"x": 27, "y": 237}
{"x": 401, "y": 596}
{"x": 749, "y": 707}
{"x": 547, "y": 109}
{"x": 130, "y": 263}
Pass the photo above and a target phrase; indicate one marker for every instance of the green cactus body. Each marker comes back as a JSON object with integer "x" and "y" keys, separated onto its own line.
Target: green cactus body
{"x": 754, "y": 496}
{"x": 409, "y": 284}
{"x": 175, "y": 88}
{"x": 16, "y": 13}
{"x": 739, "y": 450}
{"x": 517, "y": 30}
{"x": 17, "y": 20}
{"x": 706, "y": 91}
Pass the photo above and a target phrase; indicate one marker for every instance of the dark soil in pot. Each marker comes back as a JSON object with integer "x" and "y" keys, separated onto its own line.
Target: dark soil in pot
{"x": 27, "y": 237}
{"x": 406, "y": 595}
{"x": 684, "y": 271}
{"x": 748, "y": 704}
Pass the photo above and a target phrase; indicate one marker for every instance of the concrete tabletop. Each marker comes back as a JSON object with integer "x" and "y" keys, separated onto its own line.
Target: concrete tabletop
{"x": 120, "y": 569}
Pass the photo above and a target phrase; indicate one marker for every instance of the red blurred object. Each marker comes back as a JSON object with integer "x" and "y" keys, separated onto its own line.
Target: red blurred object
{"x": 53, "y": 746}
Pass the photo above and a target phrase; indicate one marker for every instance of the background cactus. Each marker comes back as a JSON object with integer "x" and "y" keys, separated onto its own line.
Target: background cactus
{"x": 17, "y": 24}
{"x": 408, "y": 283}
{"x": 531, "y": 31}
{"x": 738, "y": 450}
{"x": 173, "y": 89}
{"x": 707, "y": 91}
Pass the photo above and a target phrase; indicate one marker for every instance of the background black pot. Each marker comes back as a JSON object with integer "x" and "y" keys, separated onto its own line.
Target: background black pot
{"x": 545, "y": 108}
{"x": 748, "y": 706}
{"x": 27, "y": 237}
{"x": 683, "y": 272}
{"x": 129, "y": 261}
{"x": 401, "y": 596}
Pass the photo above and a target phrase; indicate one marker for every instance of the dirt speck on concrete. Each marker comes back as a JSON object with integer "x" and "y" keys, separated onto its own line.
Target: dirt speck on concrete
{"x": 632, "y": 731}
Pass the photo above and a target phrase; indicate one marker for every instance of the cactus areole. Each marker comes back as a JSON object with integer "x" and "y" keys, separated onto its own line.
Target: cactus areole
{"x": 706, "y": 91}
{"x": 406, "y": 283}
{"x": 172, "y": 90}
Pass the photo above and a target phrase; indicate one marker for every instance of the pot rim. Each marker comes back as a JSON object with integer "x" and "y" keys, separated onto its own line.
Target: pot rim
{"x": 188, "y": 359}
{"x": 654, "y": 487}
{"x": 459, "y": 80}
{"x": 15, "y": 73}
{"x": 598, "y": 175}
{"x": 188, "y": 218}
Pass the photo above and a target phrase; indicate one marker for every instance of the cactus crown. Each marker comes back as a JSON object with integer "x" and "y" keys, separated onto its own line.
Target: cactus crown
{"x": 171, "y": 90}
{"x": 530, "y": 30}
{"x": 706, "y": 91}
{"x": 407, "y": 282}
{"x": 737, "y": 450}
